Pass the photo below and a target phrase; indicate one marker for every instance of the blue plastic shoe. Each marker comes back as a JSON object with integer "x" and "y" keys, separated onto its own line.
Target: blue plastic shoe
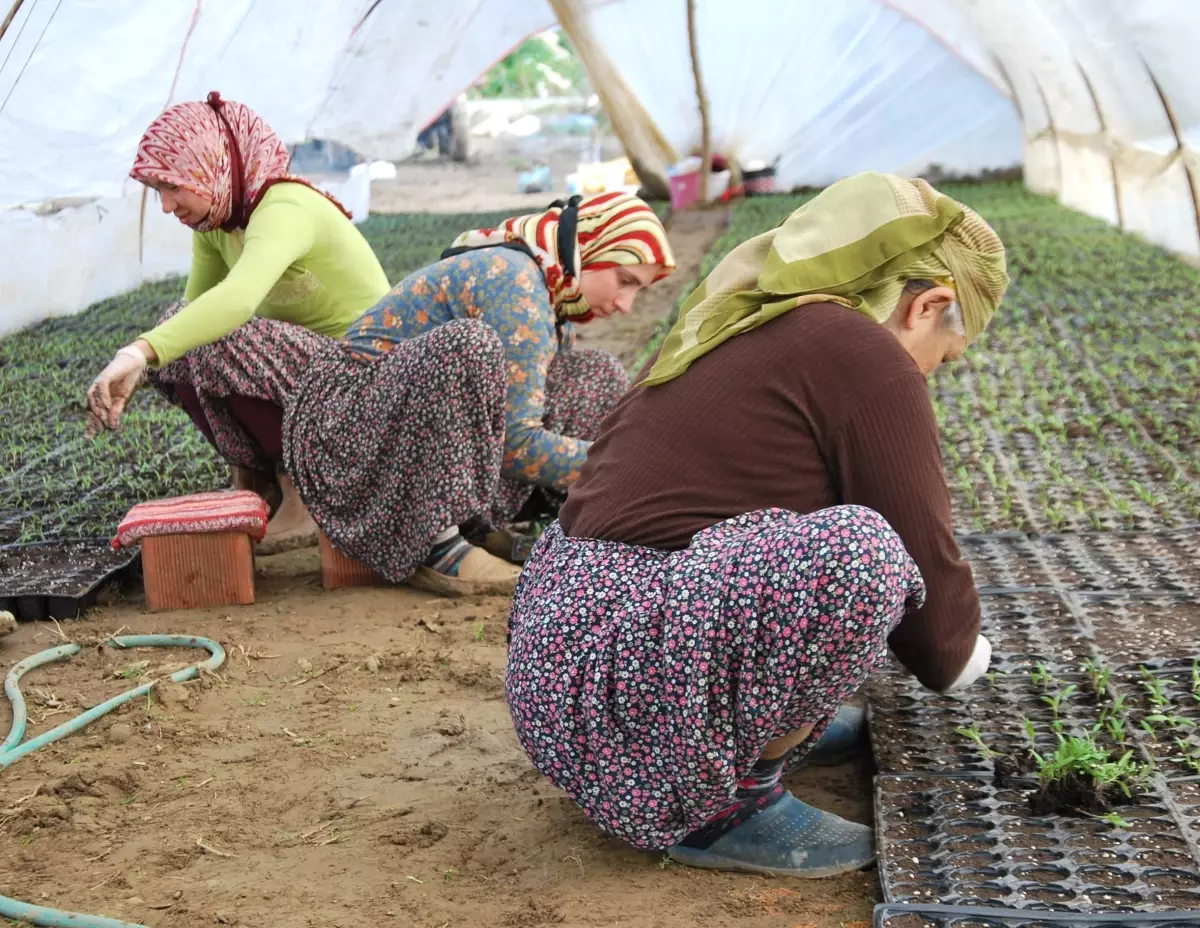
{"x": 840, "y": 740}
{"x": 791, "y": 838}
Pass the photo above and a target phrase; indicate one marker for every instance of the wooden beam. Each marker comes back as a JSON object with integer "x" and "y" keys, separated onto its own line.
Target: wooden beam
{"x": 702, "y": 98}
{"x": 12, "y": 13}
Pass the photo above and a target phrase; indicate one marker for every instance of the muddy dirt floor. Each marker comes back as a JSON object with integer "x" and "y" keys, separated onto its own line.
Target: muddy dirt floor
{"x": 352, "y": 764}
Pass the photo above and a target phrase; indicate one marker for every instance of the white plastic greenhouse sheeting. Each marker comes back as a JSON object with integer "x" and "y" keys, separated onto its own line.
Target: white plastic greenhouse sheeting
{"x": 830, "y": 88}
{"x": 57, "y": 263}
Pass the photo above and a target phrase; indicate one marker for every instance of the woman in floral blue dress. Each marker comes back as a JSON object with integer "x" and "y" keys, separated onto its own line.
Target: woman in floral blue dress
{"x": 518, "y": 289}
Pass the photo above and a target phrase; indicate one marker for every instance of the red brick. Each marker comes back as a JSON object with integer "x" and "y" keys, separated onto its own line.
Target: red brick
{"x": 339, "y": 570}
{"x": 198, "y": 570}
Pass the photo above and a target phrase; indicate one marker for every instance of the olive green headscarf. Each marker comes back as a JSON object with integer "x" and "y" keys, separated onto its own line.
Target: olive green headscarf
{"x": 856, "y": 243}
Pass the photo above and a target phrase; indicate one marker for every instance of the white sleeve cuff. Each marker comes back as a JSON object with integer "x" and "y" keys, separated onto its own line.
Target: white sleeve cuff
{"x": 976, "y": 667}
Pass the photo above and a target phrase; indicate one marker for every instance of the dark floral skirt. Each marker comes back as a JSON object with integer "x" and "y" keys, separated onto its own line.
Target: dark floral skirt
{"x": 387, "y": 453}
{"x": 646, "y": 683}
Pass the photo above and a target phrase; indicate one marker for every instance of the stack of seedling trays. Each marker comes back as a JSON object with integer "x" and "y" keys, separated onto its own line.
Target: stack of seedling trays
{"x": 1066, "y": 783}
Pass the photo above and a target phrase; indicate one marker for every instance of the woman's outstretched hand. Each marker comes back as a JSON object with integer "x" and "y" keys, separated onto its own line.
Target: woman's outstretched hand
{"x": 113, "y": 388}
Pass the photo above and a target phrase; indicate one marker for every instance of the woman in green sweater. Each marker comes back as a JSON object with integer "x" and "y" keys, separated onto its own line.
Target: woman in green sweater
{"x": 277, "y": 269}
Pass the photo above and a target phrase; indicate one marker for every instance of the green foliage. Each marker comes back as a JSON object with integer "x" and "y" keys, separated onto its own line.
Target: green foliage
{"x": 539, "y": 66}
{"x": 1081, "y": 756}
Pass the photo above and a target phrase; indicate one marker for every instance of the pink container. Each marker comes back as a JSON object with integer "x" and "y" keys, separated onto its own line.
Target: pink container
{"x": 685, "y": 189}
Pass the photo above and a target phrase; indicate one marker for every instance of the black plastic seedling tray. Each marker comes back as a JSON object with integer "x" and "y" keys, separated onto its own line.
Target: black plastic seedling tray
{"x": 1163, "y": 561}
{"x": 915, "y": 731}
{"x": 1031, "y": 625}
{"x": 60, "y": 579}
{"x": 888, "y": 915}
{"x": 964, "y": 841}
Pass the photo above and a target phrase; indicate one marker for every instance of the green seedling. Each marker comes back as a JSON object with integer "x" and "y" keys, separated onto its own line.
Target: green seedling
{"x": 1195, "y": 677}
{"x": 1169, "y": 720}
{"x": 1115, "y": 707}
{"x": 1055, "y": 701}
{"x": 1155, "y": 694}
{"x": 1040, "y": 676}
{"x": 1116, "y": 729}
{"x": 1030, "y": 733}
{"x": 975, "y": 736}
{"x": 1087, "y": 760}
{"x": 1097, "y": 675}
{"x": 1114, "y": 818}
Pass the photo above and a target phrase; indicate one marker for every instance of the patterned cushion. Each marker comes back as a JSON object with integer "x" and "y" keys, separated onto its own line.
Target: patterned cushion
{"x": 222, "y": 511}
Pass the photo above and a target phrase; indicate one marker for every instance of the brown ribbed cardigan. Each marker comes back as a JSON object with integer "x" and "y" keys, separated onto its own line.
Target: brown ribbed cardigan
{"x": 819, "y": 407}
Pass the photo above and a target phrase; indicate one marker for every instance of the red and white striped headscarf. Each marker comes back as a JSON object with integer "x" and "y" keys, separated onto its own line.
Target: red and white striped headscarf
{"x": 612, "y": 230}
{"x": 221, "y": 150}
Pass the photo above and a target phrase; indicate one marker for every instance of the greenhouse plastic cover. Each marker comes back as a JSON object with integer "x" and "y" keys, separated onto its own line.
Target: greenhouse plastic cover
{"x": 1097, "y": 98}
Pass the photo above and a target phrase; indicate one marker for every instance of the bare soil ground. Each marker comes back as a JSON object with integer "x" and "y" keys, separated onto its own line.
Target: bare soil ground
{"x": 353, "y": 763}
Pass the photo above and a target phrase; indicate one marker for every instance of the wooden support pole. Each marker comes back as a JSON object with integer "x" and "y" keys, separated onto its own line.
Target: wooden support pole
{"x": 702, "y": 98}
{"x": 12, "y": 13}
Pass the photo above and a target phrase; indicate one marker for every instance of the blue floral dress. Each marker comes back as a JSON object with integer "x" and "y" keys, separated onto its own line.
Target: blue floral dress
{"x": 504, "y": 289}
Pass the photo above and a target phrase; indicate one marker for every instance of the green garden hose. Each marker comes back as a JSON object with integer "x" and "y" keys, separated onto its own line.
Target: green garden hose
{"x": 14, "y": 747}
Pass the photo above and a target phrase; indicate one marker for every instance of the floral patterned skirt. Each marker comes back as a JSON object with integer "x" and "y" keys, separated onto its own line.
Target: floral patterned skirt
{"x": 387, "y": 453}
{"x": 263, "y": 359}
{"x": 646, "y": 683}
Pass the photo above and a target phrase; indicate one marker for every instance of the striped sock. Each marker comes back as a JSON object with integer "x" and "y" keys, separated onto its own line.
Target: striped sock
{"x": 447, "y": 553}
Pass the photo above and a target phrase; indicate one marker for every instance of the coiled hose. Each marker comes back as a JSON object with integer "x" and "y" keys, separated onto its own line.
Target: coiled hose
{"x": 14, "y": 747}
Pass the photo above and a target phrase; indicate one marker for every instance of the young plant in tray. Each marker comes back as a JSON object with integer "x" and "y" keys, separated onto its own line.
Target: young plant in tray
{"x": 1083, "y": 776}
{"x": 975, "y": 736}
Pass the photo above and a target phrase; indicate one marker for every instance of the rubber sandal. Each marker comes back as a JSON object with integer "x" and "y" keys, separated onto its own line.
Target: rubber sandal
{"x": 840, "y": 740}
{"x": 791, "y": 838}
{"x": 479, "y": 574}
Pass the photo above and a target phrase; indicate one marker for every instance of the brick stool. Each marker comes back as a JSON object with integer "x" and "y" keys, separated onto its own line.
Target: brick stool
{"x": 338, "y": 570}
{"x": 198, "y": 550}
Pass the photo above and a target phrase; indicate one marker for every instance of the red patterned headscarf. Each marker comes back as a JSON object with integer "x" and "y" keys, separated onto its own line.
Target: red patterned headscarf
{"x": 611, "y": 230}
{"x": 221, "y": 150}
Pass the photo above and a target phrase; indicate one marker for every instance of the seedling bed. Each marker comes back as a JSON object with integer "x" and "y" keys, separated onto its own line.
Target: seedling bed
{"x": 915, "y": 731}
{"x": 1034, "y": 625}
{"x": 1152, "y": 708}
{"x": 888, "y": 915}
{"x": 965, "y": 841}
{"x": 59, "y": 580}
{"x": 1128, "y": 627}
{"x": 1090, "y": 562}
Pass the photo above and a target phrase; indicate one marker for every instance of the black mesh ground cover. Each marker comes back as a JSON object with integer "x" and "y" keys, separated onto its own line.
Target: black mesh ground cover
{"x": 946, "y": 916}
{"x": 965, "y": 841}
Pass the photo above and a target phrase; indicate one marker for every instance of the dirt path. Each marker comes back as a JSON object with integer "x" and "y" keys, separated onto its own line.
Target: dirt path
{"x": 352, "y": 764}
